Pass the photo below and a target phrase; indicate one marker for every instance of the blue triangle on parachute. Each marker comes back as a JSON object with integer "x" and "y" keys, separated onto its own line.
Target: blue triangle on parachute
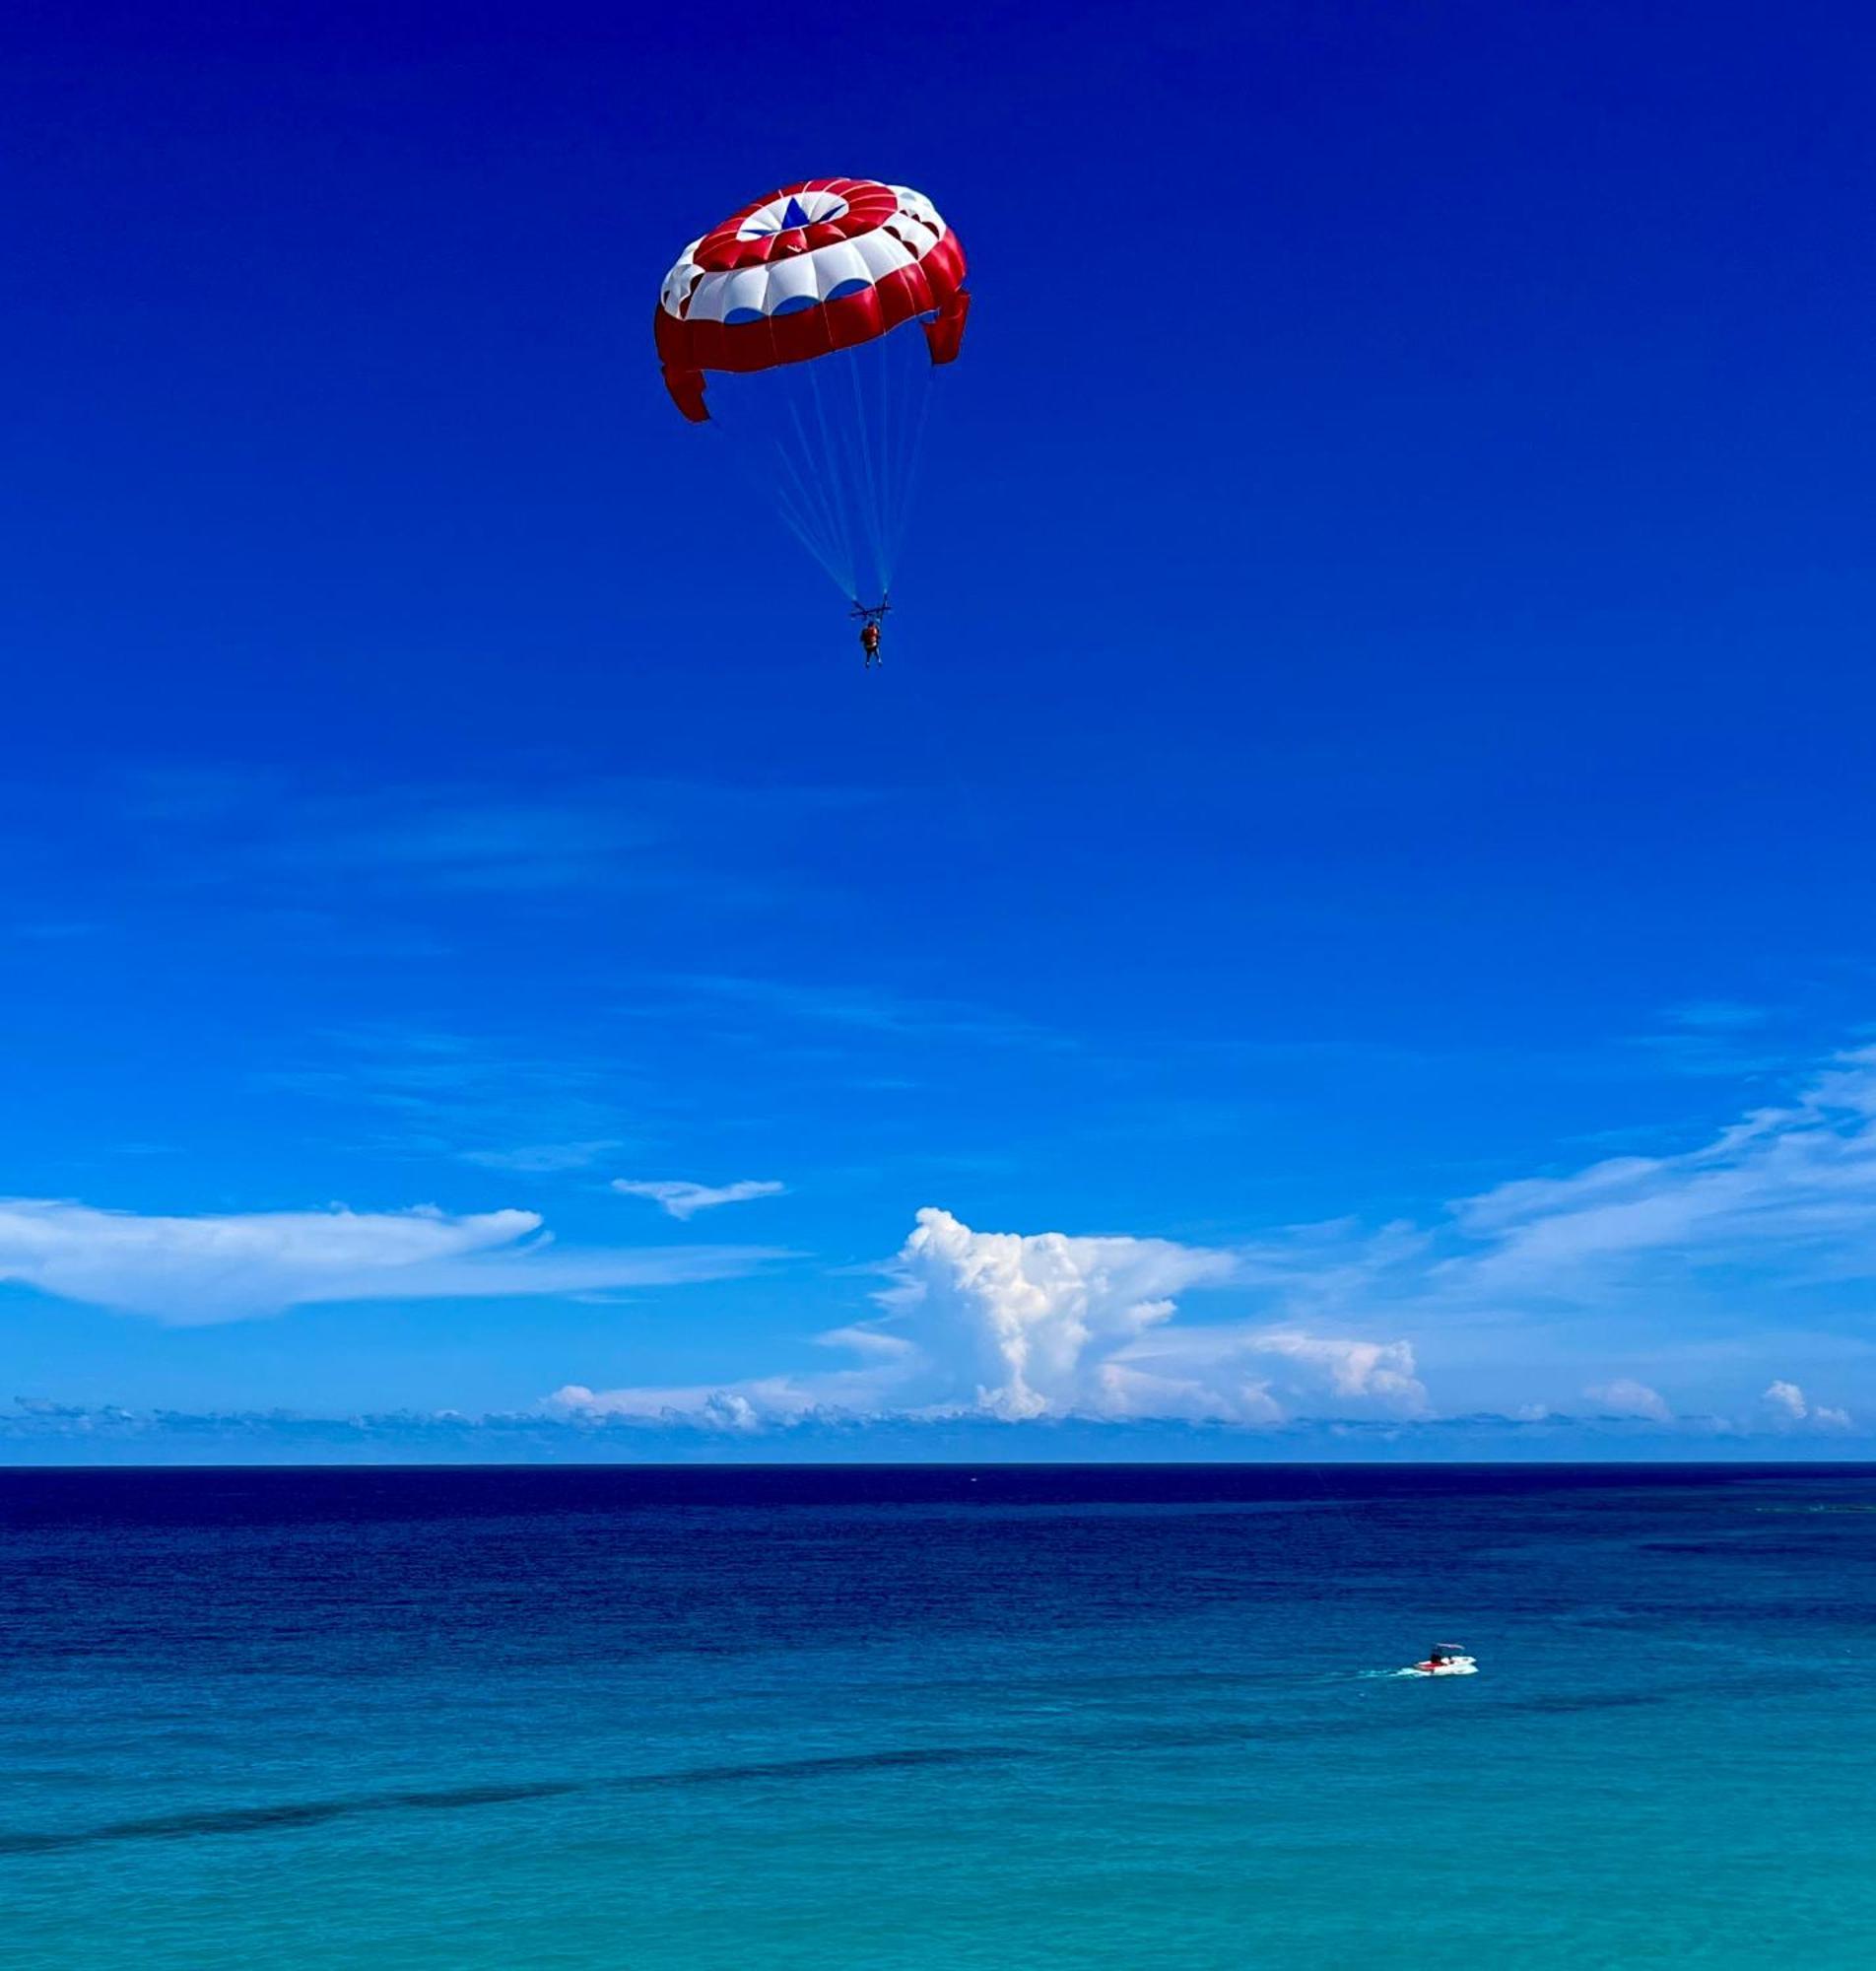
{"x": 794, "y": 216}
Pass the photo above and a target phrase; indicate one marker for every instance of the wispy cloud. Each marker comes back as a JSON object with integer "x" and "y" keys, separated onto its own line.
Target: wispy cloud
{"x": 469, "y": 843}
{"x": 542, "y": 1159}
{"x": 464, "y": 837}
{"x": 1637, "y": 1262}
{"x": 1717, "y": 1016}
{"x": 476, "y": 1098}
{"x": 56, "y": 930}
{"x": 678, "y": 1198}
{"x": 198, "y": 1271}
{"x": 870, "y": 1009}
{"x": 1717, "y": 1038}
{"x": 1790, "y": 1189}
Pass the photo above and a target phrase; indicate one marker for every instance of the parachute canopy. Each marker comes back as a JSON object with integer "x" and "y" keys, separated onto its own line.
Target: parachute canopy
{"x": 822, "y": 265}
{"x": 794, "y": 302}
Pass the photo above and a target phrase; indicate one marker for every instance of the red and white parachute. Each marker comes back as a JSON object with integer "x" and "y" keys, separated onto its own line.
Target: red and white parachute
{"x": 794, "y": 303}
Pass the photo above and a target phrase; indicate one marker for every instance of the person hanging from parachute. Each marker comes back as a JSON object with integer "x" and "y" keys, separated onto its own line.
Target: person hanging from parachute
{"x": 779, "y": 329}
{"x": 870, "y": 622}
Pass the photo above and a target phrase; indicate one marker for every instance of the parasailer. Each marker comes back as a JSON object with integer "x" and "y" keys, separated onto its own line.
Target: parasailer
{"x": 787, "y": 328}
{"x": 870, "y": 622}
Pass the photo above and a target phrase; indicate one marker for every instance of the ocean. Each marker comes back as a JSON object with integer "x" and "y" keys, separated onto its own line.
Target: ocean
{"x": 907, "y": 1716}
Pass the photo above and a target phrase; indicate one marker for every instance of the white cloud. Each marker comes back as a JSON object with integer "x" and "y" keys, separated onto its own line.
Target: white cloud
{"x": 1381, "y": 1372}
{"x": 1793, "y": 1187}
{"x": 1669, "y": 1262}
{"x": 1036, "y": 1326}
{"x": 866, "y": 1009}
{"x": 866, "y": 1341}
{"x": 1788, "y": 1400}
{"x": 1015, "y": 1326}
{"x": 1517, "y": 1296}
{"x": 444, "y": 837}
{"x": 1718, "y": 1015}
{"x": 1790, "y": 1406}
{"x": 703, "y": 1407}
{"x": 542, "y": 1159}
{"x": 750, "y": 1405}
{"x": 732, "y": 1427}
{"x": 1627, "y": 1398}
{"x": 678, "y": 1198}
{"x": 194, "y": 1272}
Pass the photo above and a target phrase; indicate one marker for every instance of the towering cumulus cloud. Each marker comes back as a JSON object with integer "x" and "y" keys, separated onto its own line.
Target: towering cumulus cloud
{"x": 1038, "y": 1325}
{"x": 1022, "y": 1326}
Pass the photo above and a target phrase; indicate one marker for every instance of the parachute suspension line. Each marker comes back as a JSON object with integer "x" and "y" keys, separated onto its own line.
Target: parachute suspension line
{"x": 878, "y": 422}
{"x": 775, "y": 494}
{"x": 812, "y": 478}
{"x": 895, "y": 388}
{"x": 837, "y": 461}
{"x": 872, "y": 506}
{"x": 905, "y": 472}
{"x": 837, "y": 474}
{"x": 795, "y": 505}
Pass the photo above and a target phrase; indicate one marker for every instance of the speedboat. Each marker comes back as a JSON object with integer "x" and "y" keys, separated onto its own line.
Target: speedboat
{"x": 1445, "y": 1660}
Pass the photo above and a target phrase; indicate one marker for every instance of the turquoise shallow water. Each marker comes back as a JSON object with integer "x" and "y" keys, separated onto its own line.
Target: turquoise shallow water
{"x": 917, "y": 1718}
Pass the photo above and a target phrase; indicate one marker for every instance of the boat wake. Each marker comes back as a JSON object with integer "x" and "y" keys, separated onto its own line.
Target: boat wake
{"x": 1446, "y": 1661}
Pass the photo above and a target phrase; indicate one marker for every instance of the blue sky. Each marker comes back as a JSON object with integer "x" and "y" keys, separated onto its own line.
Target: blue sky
{"x": 1364, "y": 828}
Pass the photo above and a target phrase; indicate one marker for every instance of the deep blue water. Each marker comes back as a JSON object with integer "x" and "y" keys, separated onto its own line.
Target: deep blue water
{"x": 1006, "y": 1717}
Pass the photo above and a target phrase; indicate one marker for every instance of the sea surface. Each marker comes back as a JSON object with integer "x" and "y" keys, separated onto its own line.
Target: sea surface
{"x": 999, "y": 1717}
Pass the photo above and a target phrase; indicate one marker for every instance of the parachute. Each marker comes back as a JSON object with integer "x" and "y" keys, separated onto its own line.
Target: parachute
{"x": 788, "y": 329}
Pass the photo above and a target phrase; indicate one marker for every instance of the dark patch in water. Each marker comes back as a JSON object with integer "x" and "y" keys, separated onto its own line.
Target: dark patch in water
{"x": 1703, "y": 1549}
{"x": 285, "y": 1814}
{"x": 1567, "y": 1701}
{"x": 840, "y": 1762}
{"x": 310, "y": 1812}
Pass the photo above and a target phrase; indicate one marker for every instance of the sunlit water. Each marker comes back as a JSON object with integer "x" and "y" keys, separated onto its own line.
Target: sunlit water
{"x": 920, "y": 1717}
